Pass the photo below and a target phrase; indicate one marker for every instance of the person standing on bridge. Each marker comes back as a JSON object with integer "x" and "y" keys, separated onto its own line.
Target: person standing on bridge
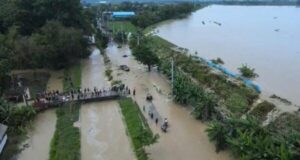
{"x": 133, "y": 92}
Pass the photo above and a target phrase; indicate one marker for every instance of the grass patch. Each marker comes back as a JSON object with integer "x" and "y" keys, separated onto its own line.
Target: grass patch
{"x": 72, "y": 77}
{"x": 65, "y": 143}
{"x": 137, "y": 127}
{"x": 119, "y": 26}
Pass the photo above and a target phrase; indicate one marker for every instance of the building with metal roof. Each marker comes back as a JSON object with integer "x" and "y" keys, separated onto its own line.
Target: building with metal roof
{"x": 121, "y": 14}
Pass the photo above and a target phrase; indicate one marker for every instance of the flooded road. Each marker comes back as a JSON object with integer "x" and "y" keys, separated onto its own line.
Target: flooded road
{"x": 43, "y": 127}
{"x": 186, "y": 138}
{"x": 103, "y": 133}
{"x": 265, "y": 37}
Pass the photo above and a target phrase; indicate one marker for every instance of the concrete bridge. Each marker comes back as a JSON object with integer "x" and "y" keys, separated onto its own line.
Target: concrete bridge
{"x": 58, "y": 99}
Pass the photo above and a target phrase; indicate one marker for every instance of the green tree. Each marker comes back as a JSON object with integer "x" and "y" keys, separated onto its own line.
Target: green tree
{"x": 14, "y": 116}
{"x": 145, "y": 55}
{"x": 59, "y": 46}
{"x": 5, "y": 64}
{"x": 247, "y": 72}
{"x": 8, "y": 14}
{"x": 101, "y": 40}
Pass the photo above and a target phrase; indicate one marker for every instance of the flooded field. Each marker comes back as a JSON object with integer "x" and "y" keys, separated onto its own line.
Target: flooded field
{"x": 186, "y": 138}
{"x": 264, "y": 37}
{"x": 103, "y": 134}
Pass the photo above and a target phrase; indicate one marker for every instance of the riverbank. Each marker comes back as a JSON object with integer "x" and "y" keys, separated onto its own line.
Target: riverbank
{"x": 234, "y": 102}
{"x": 257, "y": 52}
{"x": 233, "y": 96}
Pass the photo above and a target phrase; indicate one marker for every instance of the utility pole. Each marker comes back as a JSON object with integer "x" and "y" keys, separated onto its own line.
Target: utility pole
{"x": 122, "y": 32}
{"x": 172, "y": 74}
{"x": 138, "y": 40}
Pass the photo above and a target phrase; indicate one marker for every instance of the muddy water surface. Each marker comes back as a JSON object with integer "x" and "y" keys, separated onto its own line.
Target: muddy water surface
{"x": 40, "y": 137}
{"x": 186, "y": 138}
{"x": 103, "y": 134}
{"x": 265, "y": 37}
{"x": 43, "y": 127}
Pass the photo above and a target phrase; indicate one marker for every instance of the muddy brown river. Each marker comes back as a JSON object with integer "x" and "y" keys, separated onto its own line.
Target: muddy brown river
{"x": 186, "y": 138}
{"x": 103, "y": 132}
{"x": 264, "y": 37}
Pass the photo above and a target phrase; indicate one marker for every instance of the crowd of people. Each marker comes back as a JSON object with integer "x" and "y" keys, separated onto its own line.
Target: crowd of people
{"x": 56, "y": 97}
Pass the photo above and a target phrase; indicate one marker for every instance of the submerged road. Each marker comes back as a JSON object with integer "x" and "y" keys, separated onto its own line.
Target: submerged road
{"x": 103, "y": 133}
{"x": 186, "y": 137}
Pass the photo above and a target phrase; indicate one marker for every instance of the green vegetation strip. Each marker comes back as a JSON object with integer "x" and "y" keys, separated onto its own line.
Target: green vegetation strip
{"x": 122, "y": 26}
{"x": 138, "y": 129}
{"x": 66, "y": 140}
{"x": 65, "y": 143}
{"x": 72, "y": 76}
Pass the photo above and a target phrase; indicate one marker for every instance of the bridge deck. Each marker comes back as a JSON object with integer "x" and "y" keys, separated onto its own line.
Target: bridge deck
{"x": 60, "y": 99}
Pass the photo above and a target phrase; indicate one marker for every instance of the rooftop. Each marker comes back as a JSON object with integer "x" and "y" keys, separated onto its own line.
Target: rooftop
{"x": 3, "y": 129}
{"x": 123, "y": 14}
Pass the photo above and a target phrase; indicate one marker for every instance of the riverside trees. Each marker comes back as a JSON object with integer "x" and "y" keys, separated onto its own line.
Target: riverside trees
{"x": 144, "y": 54}
{"x": 42, "y": 34}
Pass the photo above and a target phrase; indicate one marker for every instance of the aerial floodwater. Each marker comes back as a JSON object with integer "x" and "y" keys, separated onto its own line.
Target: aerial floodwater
{"x": 264, "y": 37}
{"x": 103, "y": 134}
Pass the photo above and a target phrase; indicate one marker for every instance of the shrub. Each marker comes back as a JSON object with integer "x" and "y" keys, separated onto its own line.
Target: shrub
{"x": 262, "y": 109}
{"x": 218, "y": 61}
{"x": 15, "y": 117}
{"x": 247, "y": 72}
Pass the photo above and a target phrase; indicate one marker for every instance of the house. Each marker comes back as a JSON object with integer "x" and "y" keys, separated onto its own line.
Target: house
{"x": 3, "y": 136}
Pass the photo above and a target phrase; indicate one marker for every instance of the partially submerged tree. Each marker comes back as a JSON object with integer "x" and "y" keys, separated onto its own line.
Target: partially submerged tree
{"x": 145, "y": 55}
{"x": 101, "y": 40}
{"x": 247, "y": 72}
